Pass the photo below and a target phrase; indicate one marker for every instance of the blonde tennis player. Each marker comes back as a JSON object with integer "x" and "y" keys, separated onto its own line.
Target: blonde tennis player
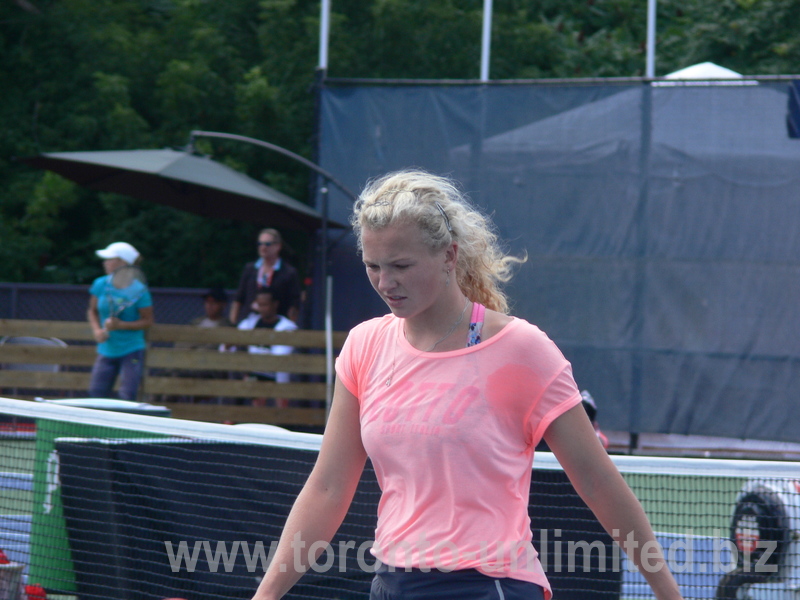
{"x": 448, "y": 395}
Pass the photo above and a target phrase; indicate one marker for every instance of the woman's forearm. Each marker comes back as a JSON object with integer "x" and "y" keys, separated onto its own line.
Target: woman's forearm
{"x": 621, "y": 514}
{"x": 315, "y": 517}
{"x": 136, "y": 325}
{"x": 144, "y": 321}
{"x": 599, "y": 483}
{"x": 323, "y": 503}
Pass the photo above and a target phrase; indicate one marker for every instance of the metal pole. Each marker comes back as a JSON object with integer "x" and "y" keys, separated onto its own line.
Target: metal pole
{"x": 328, "y": 345}
{"x": 486, "y": 40}
{"x": 323, "y": 248}
{"x": 324, "y": 31}
{"x": 650, "y": 66}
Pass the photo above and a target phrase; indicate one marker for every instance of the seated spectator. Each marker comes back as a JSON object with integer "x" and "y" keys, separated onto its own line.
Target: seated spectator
{"x": 214, "y": 301}
{"x": 268, "y": 317}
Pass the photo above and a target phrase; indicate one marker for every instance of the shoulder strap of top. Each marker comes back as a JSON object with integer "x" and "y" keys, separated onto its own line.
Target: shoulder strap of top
{"x": 476, "y": 324}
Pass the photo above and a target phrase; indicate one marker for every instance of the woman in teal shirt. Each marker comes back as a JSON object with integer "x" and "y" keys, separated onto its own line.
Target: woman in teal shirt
{"x": 120, "y": 337}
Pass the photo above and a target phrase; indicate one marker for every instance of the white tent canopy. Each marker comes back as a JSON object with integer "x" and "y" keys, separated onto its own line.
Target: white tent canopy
{"x": 704, "y": 70}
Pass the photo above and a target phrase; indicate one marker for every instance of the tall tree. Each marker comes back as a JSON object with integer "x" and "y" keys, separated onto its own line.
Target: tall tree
{"x": 117, "y": 74}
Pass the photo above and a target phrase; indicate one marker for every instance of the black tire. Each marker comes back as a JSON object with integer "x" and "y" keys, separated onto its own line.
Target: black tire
{"x": 765, "y": 508}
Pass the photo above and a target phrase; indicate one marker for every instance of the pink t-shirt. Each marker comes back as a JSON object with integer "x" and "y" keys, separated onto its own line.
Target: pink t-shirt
{"x": 452, "y": 438}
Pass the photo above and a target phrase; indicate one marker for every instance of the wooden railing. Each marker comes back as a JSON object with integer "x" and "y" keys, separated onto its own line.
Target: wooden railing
{"x": 198, "y": 384}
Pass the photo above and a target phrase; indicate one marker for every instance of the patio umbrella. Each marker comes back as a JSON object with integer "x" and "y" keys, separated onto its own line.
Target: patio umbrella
{"x": 184, "y": 181}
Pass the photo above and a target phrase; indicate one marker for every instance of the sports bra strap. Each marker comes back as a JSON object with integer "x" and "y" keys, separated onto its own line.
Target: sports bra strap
{"x": 476, "y": 324}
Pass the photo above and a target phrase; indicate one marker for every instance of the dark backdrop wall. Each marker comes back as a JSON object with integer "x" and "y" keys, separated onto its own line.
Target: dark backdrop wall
{"x": 57, "y": 302}
{"x": 661, "y": 223}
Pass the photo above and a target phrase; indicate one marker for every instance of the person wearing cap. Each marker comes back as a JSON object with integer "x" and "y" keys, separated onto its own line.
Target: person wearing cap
{"x": 120, "y": 338}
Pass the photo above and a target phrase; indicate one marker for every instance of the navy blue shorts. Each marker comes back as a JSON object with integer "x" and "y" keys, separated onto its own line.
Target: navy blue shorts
{"x": 468, "y": 584}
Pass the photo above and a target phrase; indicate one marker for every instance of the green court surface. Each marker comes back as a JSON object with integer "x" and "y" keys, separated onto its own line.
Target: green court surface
{"x": 697, "y": 505}
{"x": 16, "y": 458}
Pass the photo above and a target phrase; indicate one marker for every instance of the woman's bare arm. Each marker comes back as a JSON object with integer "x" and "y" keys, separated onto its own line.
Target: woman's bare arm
{"x": 322, "y": 505}
{"x": 572, "y": 439}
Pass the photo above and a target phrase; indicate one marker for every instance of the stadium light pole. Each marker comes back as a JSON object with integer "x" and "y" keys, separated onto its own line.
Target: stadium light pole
{"x": 486, "y": 39}
{"x": 327, "y": 178}
{"x": 324, "y": 31}
{"x": 650, "y": 64}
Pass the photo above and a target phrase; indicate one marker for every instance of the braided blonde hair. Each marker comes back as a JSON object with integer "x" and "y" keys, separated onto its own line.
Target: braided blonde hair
{"x": 444, "y": 215}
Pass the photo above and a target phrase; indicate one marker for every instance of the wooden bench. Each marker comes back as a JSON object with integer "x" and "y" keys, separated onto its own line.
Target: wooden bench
{"x": 207, "y": 381}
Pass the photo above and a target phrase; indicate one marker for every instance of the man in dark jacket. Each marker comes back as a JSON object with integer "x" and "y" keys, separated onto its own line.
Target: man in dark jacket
{"x": 268, "y": 271}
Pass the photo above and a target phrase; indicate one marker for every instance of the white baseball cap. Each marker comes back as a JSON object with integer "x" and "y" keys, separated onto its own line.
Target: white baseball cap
{"x": 122, "y": 250}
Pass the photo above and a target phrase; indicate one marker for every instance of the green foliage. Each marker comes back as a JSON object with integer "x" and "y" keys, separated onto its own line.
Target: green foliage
{"x": 749, "y": 36}
{"x": 121, "y": 74}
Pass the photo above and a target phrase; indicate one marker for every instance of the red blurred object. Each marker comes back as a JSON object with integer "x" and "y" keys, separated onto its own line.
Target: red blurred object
{"x": 591, "y": 411}
{"x": 18, "y": 427}
{"x": 3, "y": 558}
{"x": 35, "y": 592}
{"x": 601, "y": 436}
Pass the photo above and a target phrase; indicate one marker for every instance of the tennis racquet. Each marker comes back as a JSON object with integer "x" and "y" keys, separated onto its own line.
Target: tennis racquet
{"x": 125, "y": 287}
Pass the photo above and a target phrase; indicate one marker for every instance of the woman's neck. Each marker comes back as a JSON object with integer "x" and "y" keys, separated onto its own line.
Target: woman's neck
{"x": 439, "y": 330}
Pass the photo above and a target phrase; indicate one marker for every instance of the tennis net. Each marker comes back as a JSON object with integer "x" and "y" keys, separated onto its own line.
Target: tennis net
{"x": 97, "y": 504}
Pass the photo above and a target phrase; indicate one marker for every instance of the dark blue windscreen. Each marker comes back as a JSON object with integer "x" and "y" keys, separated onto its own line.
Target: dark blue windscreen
{"x": 662, "y": 225}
